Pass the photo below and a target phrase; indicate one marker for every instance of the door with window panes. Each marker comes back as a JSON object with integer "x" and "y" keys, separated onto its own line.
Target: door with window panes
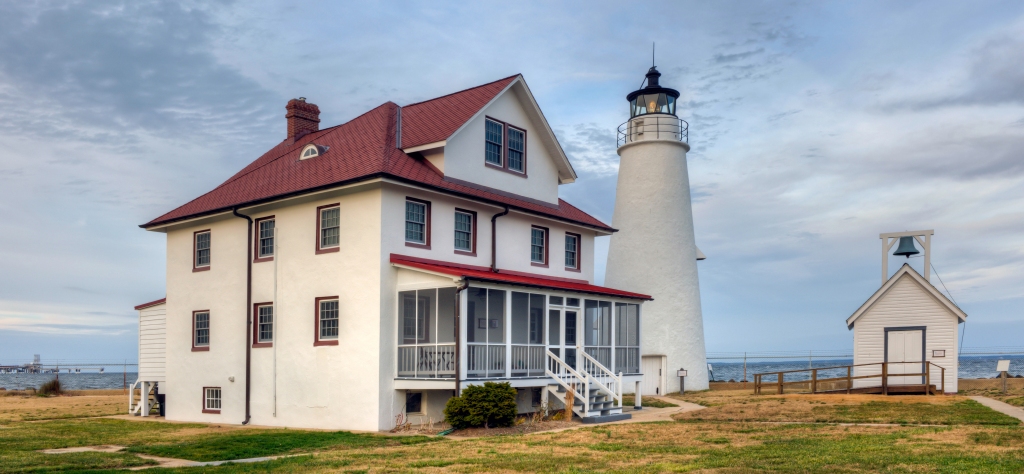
{"x": 563, "y": 328}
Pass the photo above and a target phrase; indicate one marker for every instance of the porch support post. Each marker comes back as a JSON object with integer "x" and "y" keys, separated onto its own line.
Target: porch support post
{"x": 463, "y": 332}
{"x": 636, "y": 397}
{"x": 613, "y": 341}
{"x": 145, "y": 399}
{"x": 507, "y": 333}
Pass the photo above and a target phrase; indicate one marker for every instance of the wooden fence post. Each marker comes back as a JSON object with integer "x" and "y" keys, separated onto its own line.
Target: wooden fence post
{"x": 927, "y": 378}
{"x": 943, "y": 380}
{"x": 780, "y": 383}
{"x": 814, "y": 381}
{"x": 885, "y": 378}
{"x": 849, "y": 380}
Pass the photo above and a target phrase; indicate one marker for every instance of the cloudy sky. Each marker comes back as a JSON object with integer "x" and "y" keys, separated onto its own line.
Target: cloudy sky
{"x": 815, "y": 126}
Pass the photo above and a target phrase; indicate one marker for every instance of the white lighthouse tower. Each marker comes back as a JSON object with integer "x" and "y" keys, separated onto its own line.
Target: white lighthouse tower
{"x": 654, "y": 251}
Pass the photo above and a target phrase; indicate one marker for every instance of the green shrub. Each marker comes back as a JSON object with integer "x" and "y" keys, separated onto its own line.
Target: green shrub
{"x": 50, "y": 388}
{"x": 491, "y": 405}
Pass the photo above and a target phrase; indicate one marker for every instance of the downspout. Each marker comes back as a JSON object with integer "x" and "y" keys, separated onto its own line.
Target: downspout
{"x": 494, "y": 239}
{"x": 458, "y": 335}
{"x": 248, "y": 308}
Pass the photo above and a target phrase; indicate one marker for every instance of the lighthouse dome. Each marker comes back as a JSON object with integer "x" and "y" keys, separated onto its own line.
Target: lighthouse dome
{"x": 652, "y": 99}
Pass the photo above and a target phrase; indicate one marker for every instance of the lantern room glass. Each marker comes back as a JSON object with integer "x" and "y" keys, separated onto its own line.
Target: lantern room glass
{"x": 660, "y": 103}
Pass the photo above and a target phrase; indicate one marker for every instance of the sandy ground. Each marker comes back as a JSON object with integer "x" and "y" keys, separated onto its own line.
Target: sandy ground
{"x": 15, "y": 407}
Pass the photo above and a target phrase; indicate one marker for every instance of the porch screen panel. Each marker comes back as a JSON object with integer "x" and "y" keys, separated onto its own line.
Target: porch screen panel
{"x": 527, "y": 335}
{"x": 496, "y": 316}
{"x": 627, "y": 338}
{"x": 421, "y": 352}
{"x": 597, "y": 330}
{"x": 446, "y": 315}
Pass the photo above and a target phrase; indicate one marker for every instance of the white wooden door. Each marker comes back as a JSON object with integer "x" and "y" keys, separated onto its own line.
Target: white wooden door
{"x": 653, "y": 378}
{"x": 904, "y": 354}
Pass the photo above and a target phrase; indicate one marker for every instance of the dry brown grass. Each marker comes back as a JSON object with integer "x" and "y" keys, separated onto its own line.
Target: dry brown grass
{"x": 31, "y": 407}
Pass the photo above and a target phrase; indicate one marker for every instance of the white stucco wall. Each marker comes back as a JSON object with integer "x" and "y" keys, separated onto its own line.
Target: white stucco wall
{"x": 513, "y": 245}
{"x": 318, "y": 387}
{"x": 654, "y": 253}
{"x": 906, "y": 304}
{"x": 464, "y": 153}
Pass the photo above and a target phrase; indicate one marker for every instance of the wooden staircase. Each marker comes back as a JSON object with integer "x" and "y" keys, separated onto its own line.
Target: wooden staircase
{"x": 597, "y": 392}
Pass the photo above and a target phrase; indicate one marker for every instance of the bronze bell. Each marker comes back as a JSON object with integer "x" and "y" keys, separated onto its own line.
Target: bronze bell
{"x": 906, "y": 247}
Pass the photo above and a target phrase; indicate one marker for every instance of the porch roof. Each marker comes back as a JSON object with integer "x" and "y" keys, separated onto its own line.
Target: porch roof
{"x": 472, "y": 272}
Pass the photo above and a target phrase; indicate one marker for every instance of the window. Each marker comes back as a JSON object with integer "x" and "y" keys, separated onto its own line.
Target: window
{"x": 417, "y": 223}
{"x": 572, "y": 251}
{"x": 326, "y": 321}
{"x": 309, "y": 151}
{"x": 516, "y": 150}
{"x": 201, "y": 244}
{"x": 211, "y": 399}
{"x": 413, "y": 403}
{"x": 264, "y": 239}
{"x": 536, "y": 396}
{"x": 201, "y": 330}
{"x": 504, "y": 147}
{"x": 539, "y": 246}
{"x": 264, "y": 328}
{"x": 493, "y": 138}
{"x": 329, "y": 228}
{"x": 465, "y": 232}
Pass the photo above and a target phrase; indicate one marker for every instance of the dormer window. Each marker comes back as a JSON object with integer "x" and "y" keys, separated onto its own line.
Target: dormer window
{"x": 504, "y": 146}
{"x": 311, "y": 151}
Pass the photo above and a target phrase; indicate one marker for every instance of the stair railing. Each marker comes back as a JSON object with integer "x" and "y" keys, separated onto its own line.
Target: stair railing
{"x": 570, "y": 380}
{"x": 603, "y": 378}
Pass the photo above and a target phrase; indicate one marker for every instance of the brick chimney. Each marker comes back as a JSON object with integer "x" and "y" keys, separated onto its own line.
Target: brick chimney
{"x": 303, "y": 118}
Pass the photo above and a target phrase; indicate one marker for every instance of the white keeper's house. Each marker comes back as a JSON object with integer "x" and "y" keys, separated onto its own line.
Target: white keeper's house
{"x": 370, "y": 270}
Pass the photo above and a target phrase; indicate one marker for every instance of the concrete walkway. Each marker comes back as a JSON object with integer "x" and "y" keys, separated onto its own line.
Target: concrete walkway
{"x": 1001, "y": 407}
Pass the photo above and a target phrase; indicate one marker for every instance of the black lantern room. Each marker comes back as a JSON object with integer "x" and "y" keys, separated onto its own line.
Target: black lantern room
{"x": 652, "y": 99}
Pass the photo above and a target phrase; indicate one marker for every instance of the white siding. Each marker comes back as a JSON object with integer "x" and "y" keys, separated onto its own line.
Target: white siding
{"x": 152, "y": 343}
{"x": 906, "y": 304}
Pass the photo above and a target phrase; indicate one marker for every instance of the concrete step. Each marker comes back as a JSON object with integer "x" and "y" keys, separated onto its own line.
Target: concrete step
{"x": 607, "y": 418}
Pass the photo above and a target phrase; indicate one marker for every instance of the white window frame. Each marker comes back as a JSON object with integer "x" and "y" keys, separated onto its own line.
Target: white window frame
{"x": 469, "y": 233}
{"x": 260, "y": 323}
{"x": 309, "y": 151}
{"x": 426, "y": 222}
{"x": 320, "y": 226}
{"x": 336, "y": 319}
{"x": 500, "y": 143}
{"x": 260, "y": 238}
{"x": 543, "y": 245}
{"x": 508, "y": 153}
{"x": 575, "y": 251}
{"x": 208, "y": 249}
{"x": 212, "y": 399}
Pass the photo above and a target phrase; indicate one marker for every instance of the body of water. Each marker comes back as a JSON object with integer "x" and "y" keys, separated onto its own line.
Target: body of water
{"x": 91, "y": 381}
{"x": 972, "y": 367}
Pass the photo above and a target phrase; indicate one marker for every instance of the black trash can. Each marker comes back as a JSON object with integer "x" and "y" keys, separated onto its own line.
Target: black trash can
{"x": 160, "y": 398}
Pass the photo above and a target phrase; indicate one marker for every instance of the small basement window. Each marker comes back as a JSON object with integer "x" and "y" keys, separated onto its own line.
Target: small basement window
{"x": 413, "y": 403}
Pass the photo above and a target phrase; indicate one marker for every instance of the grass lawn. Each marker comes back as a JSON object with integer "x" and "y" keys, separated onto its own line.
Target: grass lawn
{"x": 740, "y": 405}
{"x": 627, "y": 401}
{"x": 725, "y": 437}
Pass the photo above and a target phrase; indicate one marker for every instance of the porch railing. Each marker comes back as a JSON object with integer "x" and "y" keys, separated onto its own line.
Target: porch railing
{"x": 603, "y": 378}
{"x": 627, "y": 360}
{"x": 485, "y": 360}
{"x": 527, "y": 360}
{"x": 601, "y": 354}
{"x": 433, "y": 361}
{"x": 570, "y": 380}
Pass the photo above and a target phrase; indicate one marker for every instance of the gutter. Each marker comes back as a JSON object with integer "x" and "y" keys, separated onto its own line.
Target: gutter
{"x": 429, "y": 187}
{"x": 494, "y": 239}
{"x": 248, "y": 315}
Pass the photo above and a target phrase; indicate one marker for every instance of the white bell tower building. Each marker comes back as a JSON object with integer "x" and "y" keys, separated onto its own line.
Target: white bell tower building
{"x": 654, "y": 251}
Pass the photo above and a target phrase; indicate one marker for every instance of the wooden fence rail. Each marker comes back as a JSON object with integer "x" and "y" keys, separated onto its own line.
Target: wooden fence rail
{"x": 815, "y": 383}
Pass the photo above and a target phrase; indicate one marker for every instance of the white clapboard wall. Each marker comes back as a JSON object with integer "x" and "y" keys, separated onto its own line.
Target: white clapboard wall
{"x": 152, "y": 343}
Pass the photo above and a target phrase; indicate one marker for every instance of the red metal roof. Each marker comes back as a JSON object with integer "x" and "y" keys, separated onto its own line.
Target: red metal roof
{"x": 151, "y": 303}
{"x": 437, "y": 119}
{"x": 513, "y": 278}
{"x": 364, "y": 148}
